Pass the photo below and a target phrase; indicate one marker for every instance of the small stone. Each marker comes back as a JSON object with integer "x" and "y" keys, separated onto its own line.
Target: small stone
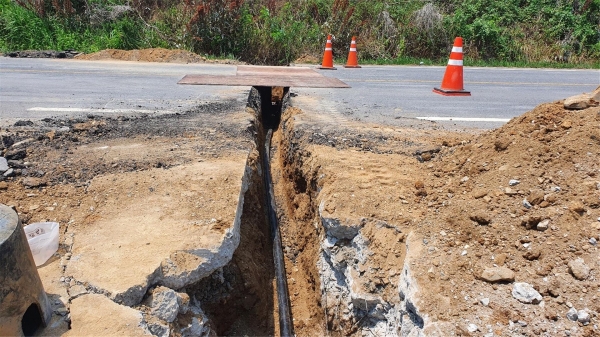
{"x": 556, "y": 189}
{"x": 15, "y": 155}
{"x": 500, "y": 259}
{"x": 522, "y": 323}
{"x": 525, "y": 293}
{"x": 485, "y": 301}
{"x": 526, "y": 204}
{"x": 543, "y": 225}
{"x": 479, "y": 193}
{"x": 583, "y": 317}
{"x": 498, "y": 274}
{"x": 61, "y": 311}
{"x": 593, "y": 241}
{"x": 533, "y": 254}
{"x": 482, "y": 218}
{"x": 579, "y": 269}
{"x": 463, "y": 253}
{"x": 536, "y": 197}
{"x": 32, "y": 182}
{"x": 9, "y": 173}
{"x": 513, "y": 182}
{"x": 3, "y": 165}
{"x": 3, "y": 186}
{"x": 576, "y": 206}
{"x": 472, "y": 327}
{"x": 572, "y": 314}
{"x": 502, "y": 144}
{"x": 509, "y": 191}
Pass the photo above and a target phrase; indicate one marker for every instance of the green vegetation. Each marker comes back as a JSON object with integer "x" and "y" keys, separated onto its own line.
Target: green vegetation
{"x": 558, "y": 33}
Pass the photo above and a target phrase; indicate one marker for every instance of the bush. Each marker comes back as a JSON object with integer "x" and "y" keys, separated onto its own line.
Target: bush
{"x": 278, "y": 32}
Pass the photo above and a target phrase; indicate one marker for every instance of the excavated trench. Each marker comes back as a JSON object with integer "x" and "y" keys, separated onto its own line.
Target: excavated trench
{"x": 333, "y": 286}
{"x": 242, "y": 297}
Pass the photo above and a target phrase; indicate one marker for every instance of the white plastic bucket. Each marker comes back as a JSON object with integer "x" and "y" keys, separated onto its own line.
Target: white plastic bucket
{"x": 43, "y": 240}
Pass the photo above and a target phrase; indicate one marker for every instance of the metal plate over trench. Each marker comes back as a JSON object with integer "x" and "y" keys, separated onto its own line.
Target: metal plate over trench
{"x": 261, "y": 76}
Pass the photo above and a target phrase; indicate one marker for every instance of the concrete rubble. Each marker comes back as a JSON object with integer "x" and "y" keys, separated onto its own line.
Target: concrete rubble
{"x": 344, "y": 252}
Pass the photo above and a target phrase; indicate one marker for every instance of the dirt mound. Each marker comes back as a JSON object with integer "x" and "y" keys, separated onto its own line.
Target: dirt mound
{"x": 526, "y": 197}
{"x": 307, "y": 58}
{"x": 152, "y": 55}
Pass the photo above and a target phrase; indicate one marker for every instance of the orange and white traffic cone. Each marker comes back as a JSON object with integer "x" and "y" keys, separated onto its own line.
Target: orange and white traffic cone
{"x": 352, "y": 55}
{"x": 328, "y": 55}
{"x": 452, "y": 84}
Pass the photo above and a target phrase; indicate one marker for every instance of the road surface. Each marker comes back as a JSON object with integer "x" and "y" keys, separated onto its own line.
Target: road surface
{"x": 40, "y": 88}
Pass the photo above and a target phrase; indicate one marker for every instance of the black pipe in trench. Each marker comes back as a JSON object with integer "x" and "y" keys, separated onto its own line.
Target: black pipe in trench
{"x": 286, "y": 328}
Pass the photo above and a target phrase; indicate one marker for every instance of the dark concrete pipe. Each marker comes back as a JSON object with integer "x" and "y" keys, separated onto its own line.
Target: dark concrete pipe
{"x": 24, "y": 306}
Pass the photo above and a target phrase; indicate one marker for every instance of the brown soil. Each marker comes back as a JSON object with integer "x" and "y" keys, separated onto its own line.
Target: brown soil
{"x": 152, "y": 55}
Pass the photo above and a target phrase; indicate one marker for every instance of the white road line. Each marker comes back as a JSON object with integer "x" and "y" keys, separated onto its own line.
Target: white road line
{"x": 84, "y": 110}
{"x": 466, "y": 119}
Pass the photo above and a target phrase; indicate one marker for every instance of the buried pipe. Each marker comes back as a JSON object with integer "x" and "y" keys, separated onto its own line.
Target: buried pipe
{"x": 286, "y": 327}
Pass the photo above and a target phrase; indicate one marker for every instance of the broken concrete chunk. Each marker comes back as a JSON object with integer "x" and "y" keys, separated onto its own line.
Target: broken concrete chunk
{"x": 498, "y": 274}
{"x": 525, "y": 293}
{"x": 198, "y": 327}
{"x": 579, "y": 269}
{"x": 164, "y": 304}
{"x": 159, "y": 329}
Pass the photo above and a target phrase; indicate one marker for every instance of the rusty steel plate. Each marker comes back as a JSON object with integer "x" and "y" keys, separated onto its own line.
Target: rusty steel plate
{"x": 260, "y": 76}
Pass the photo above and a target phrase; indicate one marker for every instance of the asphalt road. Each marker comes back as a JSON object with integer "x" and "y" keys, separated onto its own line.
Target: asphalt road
{"x": 39, "y": 88}
{"x": 389, "y": 94}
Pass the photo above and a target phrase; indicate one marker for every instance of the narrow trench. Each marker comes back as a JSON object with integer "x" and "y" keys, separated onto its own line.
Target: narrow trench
{"x": 242, "y": 298}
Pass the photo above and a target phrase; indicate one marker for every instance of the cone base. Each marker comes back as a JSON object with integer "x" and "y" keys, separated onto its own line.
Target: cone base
{"x": 451, "y": 92}
{"x": 347, "y": 66}
{"x": 327, "y": 68}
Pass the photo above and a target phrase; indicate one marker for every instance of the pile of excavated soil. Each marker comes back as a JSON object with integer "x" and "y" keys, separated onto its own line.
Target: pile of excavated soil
{"x": 152, "y": 55}
{"x": 526, "y": 197}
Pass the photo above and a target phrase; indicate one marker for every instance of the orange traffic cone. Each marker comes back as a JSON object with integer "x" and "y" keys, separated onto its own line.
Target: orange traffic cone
{"x": 328, "y": 55}
{"x": 352, "y": 55}
{"x": 452, "y": 84}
